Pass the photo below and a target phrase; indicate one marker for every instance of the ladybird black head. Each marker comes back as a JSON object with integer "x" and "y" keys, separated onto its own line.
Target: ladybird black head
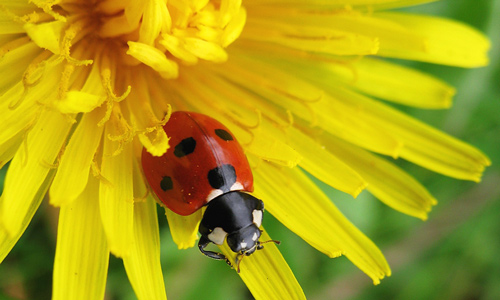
{"x": 185, "y": 147}
{"x": 234, "y": 217}
{"x": 244, "y": 241}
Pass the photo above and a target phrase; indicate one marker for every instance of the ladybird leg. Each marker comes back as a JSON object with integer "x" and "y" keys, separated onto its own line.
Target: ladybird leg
{"x": 203, "y": 242}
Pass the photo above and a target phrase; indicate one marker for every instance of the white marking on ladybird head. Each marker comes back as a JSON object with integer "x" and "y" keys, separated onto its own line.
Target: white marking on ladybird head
{"x": 217, "y": 236}
{"x": 257, "y": 217}
{"x": 236, "y": 186}
{"x": 255, "y": 237}
{"x": 243, "y": 245}
{"x": 213, "y": 194}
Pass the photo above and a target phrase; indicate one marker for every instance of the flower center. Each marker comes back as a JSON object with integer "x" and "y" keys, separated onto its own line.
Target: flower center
{"x": 158, "y": 33}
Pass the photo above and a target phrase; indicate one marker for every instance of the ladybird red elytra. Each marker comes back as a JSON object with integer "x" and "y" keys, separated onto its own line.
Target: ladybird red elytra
{"x": 206, "y": 166}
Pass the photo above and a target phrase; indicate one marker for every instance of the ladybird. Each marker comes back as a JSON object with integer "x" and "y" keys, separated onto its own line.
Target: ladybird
{"x": 206, "y": 166}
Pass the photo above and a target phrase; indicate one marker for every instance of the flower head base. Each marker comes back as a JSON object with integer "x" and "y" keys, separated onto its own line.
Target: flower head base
{"x": 93, "y": 82}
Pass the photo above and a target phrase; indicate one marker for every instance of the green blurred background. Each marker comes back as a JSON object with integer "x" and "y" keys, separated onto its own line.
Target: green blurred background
{"x": 453, "y": 255}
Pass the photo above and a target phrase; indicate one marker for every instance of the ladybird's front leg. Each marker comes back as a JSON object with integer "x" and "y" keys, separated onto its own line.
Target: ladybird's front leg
{"x": 203, "y": 243}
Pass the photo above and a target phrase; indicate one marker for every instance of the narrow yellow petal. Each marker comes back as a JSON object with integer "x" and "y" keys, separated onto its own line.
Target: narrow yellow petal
{"x": 423, "y": 145}
{"x": 338, "y": 3}
{"x": 7, "y": 239}
{"x": 384, "y": 80}
{"x": 143, "y": 262}
{"x": 352, "y": 24}
{"x": 299, "y": 36}
{"x": 206, "y": 50}
{"x": 266, "y": 147}
{"x": 116, "y": 192}
{"x": 184, "y": 229}
{"x": 234, "y": 27}
{"x": 88, "y": 98}
{"x": 325, "y": 166}
{"x": 78, "y": 101}
{"x": 18, "y": 119}
{"x": 177, "y": 48}
{"x": 307, "y": 211}
{"x": 389, "y": 4}
{"x": 154, "y": 58}
{"x": 144, "y": 118}
{"x": 18, "y": 106}
{"x": 447, "y": 42}
{"x": 402, "y": 85}
{"x": 74, "y": 167}
{"x": 308, "y": 102}
{"x": 265, "y": 141}
{"x": 9, "y": 148}
{"x": 152, "y": 21}
{"x": 46, "y": 35}
{"x": 14, "y": 62}
{"x": 29, "y": 169}
{"x": 266, "y": 273}
{"x": 82, "y": 254}
{"x": 386, "y": 181}
{"x": 7, "y": 26}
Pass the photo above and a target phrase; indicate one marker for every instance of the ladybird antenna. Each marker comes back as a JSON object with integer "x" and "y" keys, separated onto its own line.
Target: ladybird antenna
{"x": 239, "y": 258}
{"x": 274, "y": 241}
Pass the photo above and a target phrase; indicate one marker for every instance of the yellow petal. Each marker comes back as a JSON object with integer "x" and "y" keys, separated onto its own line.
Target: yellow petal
{"x": 82, "y": 255}
{"x": 205, "y": 50}
{"x": 266, "y": 273}
{"x": 382, "y": 79}
{"x": 143, "y": 117}
{"x": 303, "y": 208}
{"x": 74, "y": 167}
{"x": 299, "y": 36}
{"x": 143, "y": 261}
{"x": 389, "y": 4}
{"x": 263, "y": 142}
{"x": 423, "y": 145}
{"x": 447, "y": 42}
{"x": 184, "y": 229}
{"x": 152, "y": 21}
{"x": 234, "y": 27}
{"x": 177, "y": 48}
{"x": 78, "y": 101}
{"x": 7, "y": 24}
{"x": 116, "y": 192}
{"x": 46, "y": 35}
{"x": 351, "y": 23}
{"x": 266, "y": 147}
{"x": 8, "y": 239}
{"x": 89, "y": 97}
{"x": 14, "y": 60}
{"x": 337, "y": 3}
{"x": 325, "y": 166}
{"x": 402, "y": 85}
{"x": 9, "y": 148}
{"x": 18, "y": 106}
{"x": 154, "y": 58}
{"x": 29, "y": 169}
{"x": 386, "y": 181}
{"x": 18, "y": 119}
{"x": 308, "y": 102}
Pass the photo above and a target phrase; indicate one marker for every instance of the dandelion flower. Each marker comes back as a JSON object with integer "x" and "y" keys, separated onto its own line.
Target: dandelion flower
{"x": 86, "y": 84}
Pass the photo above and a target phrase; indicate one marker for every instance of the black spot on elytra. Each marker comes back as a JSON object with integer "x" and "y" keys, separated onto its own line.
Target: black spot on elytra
{"x": 226, "y": 136}
{"x": 222, "y": 177}
{"x": 185, "y": 147}
{"x": 166, "y": 183}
